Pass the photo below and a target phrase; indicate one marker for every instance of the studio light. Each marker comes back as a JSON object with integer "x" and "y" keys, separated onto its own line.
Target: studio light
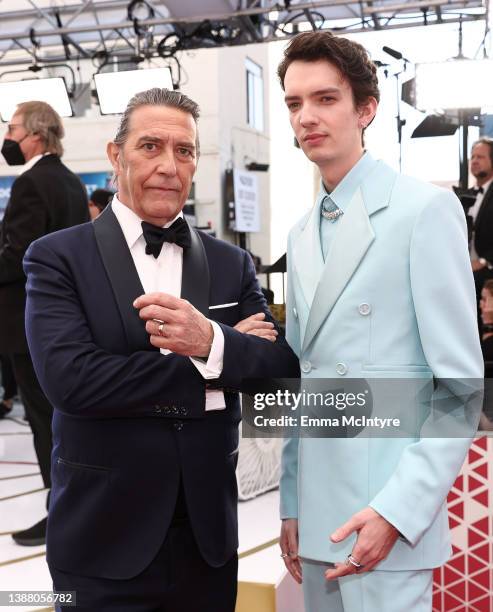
{"x": 436, "y": 125}
{"x": 115, "y": 89}
{"x": 52, "y": 90}
{"x": 454, "y": 84}
{"x": 140, "y": 10}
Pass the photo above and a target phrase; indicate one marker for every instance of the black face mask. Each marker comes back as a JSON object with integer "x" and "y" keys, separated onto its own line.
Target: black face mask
{"x": 12, "y": 152}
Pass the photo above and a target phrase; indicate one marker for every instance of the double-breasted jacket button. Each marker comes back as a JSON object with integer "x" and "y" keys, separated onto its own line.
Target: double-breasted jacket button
{"x": 341, "y": 368}
{"x": 364, "y": 309}
{"x": 306, "y": 367}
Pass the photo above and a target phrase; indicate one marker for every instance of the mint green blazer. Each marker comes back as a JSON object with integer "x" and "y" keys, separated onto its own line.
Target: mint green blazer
{"x": 395, "y": 298}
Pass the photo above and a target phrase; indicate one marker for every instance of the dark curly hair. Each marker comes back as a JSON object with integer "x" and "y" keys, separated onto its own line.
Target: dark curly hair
{"x": 349, "y": 57}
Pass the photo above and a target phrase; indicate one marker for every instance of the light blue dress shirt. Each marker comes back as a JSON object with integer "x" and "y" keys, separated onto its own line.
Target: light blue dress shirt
{"x": 341, "y": 196}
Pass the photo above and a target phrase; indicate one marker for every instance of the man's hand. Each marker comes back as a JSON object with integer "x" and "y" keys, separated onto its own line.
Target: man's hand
{"x": 376, "y": 537}
{"x": 289, "y": 547}
{"x": 477, "y": 265}
{"x": 256, "y": 326}
{"x": 185, "y": 330}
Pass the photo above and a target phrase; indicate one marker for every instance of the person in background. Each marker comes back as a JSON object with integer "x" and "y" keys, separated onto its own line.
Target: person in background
{"x": 98, "y": 201}
{"x": 486, "y": 308}
{"x": 481, "y": 213}
{"x": 9, "y": 386}
{"x": 46, "y": 197}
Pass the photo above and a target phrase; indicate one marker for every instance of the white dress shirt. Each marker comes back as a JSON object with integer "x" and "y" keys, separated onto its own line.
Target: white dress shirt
{"x": 473, "y": 212}
{"x": 34, "y": 160}
{"x": 164, "y": 274}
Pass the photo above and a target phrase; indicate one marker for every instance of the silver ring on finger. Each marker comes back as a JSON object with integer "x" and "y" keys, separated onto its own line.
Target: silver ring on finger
{"x": 351, "y": 560}
{"x": 284, "y": 555}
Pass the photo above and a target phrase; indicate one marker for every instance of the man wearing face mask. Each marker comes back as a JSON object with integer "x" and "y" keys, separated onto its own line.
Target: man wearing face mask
{"x": 45, "y": 197}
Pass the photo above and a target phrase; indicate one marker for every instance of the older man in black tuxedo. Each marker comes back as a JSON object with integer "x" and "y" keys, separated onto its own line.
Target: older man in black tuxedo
{"x": 131, "y": 325}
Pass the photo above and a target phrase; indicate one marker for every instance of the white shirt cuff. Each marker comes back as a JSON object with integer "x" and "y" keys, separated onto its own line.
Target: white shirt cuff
{"x": 214, "y": 365}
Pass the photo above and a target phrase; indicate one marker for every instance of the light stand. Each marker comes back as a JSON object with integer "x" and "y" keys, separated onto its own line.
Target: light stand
{"x": 400, "y": 122}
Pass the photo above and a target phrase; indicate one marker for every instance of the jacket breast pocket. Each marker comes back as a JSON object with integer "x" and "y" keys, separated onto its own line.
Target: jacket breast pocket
{"x": 382, "y": 367}
{"x": 404, "y": 372}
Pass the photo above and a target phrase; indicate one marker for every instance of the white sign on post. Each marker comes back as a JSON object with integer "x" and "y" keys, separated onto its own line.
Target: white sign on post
{"x": 247, "y": 217}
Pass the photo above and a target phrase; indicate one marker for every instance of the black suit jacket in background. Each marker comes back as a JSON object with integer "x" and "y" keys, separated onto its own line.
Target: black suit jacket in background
{"x": 46, "y": 198}
{"x": 129, "y": 422}
{"x": 483, "y": 227}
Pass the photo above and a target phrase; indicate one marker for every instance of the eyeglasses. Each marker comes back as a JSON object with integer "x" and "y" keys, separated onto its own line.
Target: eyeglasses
{"x": 10, "y": 126}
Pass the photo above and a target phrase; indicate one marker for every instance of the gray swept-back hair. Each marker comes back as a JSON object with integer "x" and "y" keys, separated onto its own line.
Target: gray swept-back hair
{"x": 157, "y": 97}
{"x": 40, "y": 118}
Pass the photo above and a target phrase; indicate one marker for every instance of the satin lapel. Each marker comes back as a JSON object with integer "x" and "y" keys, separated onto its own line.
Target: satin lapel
{"x": 123, "y": 277}
{"x": 195, "y": 281}
{"x": 351, "y": 241}
{"x": 307, "y": 256}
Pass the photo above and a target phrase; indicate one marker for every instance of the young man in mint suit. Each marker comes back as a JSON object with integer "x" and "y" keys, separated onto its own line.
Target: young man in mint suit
{"x": 379, "y": 285}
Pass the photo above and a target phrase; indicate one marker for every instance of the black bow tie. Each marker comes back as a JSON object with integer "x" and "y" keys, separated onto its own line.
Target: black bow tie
{"x": 178, "y": 232}
{"x": 478, "y": 190}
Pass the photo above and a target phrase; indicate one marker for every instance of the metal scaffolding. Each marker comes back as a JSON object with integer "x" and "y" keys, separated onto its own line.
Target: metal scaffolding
{"x": 38, "y": 31}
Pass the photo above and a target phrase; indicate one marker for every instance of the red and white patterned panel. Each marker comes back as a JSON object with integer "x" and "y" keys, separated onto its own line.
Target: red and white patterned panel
{"x": 465, "y": 583}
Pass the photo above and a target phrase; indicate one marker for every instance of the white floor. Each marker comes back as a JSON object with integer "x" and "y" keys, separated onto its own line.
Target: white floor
{"x": 22, "y": 504}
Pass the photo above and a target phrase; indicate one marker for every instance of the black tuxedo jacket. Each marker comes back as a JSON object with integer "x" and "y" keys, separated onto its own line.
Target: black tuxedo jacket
{"x": 130, "y": 422}
{"x": 483, "y": 227}
{"x": 46, "y": 198}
